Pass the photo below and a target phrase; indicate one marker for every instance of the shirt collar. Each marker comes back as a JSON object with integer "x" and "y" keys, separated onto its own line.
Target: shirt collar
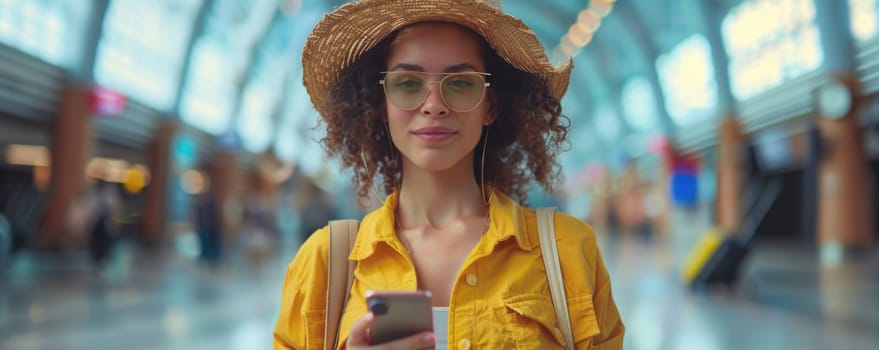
{"x": 507, "y": 220}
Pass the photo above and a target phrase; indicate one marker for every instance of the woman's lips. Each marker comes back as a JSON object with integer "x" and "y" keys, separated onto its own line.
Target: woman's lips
{"x": 434, "y": 134}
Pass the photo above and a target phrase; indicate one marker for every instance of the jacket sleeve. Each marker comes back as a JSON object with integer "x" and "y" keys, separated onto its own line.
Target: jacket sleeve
{"x": 301, "y": 319}
{"x": 606, "y": 313}
{"x": 595, "y": 320}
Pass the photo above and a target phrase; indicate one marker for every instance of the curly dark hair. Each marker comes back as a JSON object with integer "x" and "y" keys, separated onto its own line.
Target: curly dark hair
{"x": 524, "y": 140}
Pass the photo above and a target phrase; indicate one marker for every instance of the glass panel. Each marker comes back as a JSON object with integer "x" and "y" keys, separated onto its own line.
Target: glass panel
{"x": 863, "y": 16}
{"x": 293, "y": 129}
{"x": 607, "y": 123}
{"x": 287, "y": 148}
{"x": 639, "y": 104}
{"x": 255, "y": 121}
{"x": 143, "y": 48}
{"x": 208, "y": 100}
{"x": 270, "y": 74}
{"x": 220, "y": 62}
{"x": 770, "y": 42}
{"x": 298, "y": 115}
{"x": 52, "y": 30}
{"x": 687, "y": 78}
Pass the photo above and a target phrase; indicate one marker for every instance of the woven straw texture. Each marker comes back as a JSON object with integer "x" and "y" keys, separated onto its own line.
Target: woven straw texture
{"x": 342, "y": 36}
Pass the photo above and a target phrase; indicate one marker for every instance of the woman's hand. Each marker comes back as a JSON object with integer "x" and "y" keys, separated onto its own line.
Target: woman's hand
{"x": 359, "y": 340}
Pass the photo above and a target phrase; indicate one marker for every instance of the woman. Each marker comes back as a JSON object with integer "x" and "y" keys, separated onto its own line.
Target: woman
{"x": 454, "y": 107}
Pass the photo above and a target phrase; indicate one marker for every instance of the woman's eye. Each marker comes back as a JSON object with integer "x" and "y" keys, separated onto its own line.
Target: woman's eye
{"x": 460, "y": 83}
{"x": 410, "y": 84}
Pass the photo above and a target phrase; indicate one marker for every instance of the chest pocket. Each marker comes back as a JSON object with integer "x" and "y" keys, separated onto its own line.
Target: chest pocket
{"x": 531, "y": 321}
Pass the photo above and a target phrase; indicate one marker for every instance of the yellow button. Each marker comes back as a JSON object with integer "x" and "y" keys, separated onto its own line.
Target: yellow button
{"x": 464, "y": 344}
{"x": 471, "y": 279}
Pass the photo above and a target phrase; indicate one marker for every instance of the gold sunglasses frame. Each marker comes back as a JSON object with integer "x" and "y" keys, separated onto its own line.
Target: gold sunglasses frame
{"x": 440, "y": 82}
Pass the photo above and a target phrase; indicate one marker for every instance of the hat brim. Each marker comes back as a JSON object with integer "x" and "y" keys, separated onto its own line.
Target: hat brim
{"x": 344, "y": 35}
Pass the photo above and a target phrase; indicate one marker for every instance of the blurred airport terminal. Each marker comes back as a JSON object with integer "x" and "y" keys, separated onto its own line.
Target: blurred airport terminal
{"x": 159, "y": 168}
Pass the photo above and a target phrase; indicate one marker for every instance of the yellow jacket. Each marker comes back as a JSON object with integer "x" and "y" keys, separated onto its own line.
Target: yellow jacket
{"x": 501, "y": 299}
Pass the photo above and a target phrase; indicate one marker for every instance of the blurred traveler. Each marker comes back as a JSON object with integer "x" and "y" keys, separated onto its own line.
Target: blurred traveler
{"x": 209, "y": 228}
{"x": 103, "y": 201}
{"x": 5, "y": 239}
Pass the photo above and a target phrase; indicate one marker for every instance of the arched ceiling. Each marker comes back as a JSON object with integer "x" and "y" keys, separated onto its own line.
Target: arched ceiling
{"x": 627, "y": 44}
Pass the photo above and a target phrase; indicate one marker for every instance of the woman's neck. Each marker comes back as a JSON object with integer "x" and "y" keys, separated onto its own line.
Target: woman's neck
{"x": 439, "y": 198}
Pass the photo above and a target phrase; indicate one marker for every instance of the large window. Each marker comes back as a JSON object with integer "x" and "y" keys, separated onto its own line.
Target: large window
{"x": 143, "y": 48}
{"x": 293, "y": 134}
{"x": 210, "y": 92}
{"x": 607, "y": 123}
{"x": 770, "y": 42}
{"x": 863, "y": 16}
{"x": 293, "y": 127}
{"x": 50, "y": 30}
{"x": 270, "y": 74}
{"x": 220, "y": 61}
{"x": 687, "y": 79}
{"x": 639, "y": 104}
{"x": 256, "y": 119}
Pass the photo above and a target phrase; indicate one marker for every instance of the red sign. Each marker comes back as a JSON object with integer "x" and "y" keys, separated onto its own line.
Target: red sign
{"x": 659, "y": 145}
{"x": 104, "y": 102}
{"x": 681, "y": 164}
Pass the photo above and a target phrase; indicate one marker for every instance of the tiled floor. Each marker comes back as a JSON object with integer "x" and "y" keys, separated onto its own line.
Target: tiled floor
{"x": 141, "y": 301}
{"x": 162, "y": 300}
{"x": 785, "y": 302}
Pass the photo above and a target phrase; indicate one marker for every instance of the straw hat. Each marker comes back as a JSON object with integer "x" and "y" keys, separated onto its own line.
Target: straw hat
{"x": 342, "y": 36}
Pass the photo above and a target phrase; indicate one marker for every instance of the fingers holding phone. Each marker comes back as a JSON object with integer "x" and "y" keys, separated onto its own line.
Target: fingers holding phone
{"x": 359, "y": 338}
{"x": 397, "y": 320}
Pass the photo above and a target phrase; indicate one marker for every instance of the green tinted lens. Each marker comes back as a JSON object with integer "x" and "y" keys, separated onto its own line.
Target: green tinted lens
{"x": 463, "y": 92}
{"x": 405, "y": 90}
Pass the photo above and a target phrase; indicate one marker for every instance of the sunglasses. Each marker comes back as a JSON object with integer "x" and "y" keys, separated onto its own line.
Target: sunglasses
{"x": 461, "y": 92}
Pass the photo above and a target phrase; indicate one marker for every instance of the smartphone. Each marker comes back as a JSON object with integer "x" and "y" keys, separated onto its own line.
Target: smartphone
{"x": 398, "y": 315}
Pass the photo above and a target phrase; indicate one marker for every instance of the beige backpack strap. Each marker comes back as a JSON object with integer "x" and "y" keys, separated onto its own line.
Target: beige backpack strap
{"x": 550, "y": 250}
{"x": 340, "y": 270}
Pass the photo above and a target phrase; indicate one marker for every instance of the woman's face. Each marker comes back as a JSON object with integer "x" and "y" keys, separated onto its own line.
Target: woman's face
{"x": 432, "y": 135}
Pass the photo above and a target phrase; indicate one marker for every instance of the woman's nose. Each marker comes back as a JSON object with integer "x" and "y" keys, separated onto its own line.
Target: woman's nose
{"x": 434, "y": 106}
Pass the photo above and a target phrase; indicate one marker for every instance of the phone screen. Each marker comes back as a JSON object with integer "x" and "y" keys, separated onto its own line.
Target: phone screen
{"x": 398, "y": 315}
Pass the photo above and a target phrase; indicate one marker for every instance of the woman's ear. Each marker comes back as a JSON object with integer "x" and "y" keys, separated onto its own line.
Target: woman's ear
{"x": 491, "y": 115}
{"x": 489, "y": 118}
